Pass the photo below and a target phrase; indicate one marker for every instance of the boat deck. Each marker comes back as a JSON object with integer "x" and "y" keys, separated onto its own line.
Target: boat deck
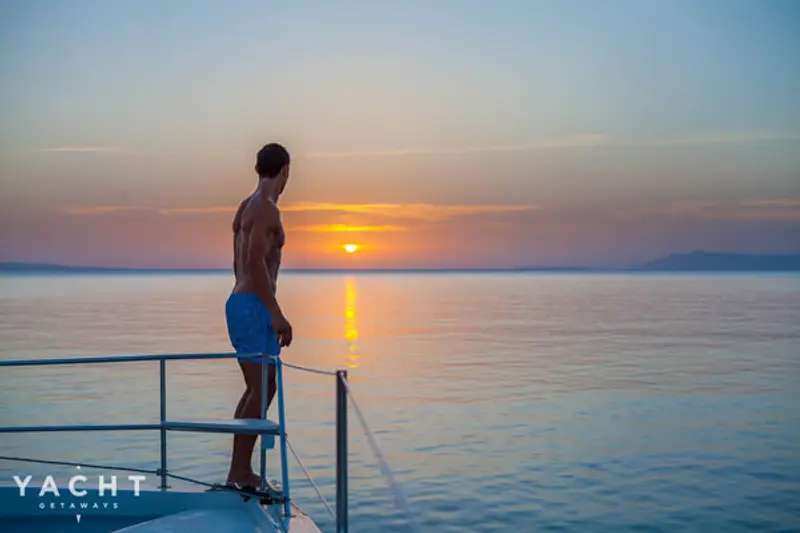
{"x": 149, "y": 511}
{"x": 44, "y": 507}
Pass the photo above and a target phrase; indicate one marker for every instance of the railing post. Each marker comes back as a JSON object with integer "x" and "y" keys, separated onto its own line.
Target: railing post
{"x": 264, "y": 396}
{"x": 341, "y": 452}
{"x": 162, "y": 364}
{"x": 287, "y": 506}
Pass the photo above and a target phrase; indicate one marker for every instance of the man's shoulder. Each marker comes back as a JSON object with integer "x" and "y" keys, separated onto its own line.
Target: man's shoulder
{"x": 260, "y": 208}
{"x": 240, "y": 210}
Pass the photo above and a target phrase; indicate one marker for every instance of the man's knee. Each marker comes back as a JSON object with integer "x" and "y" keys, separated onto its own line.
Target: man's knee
{"x": 253, "y": 377}
{"x": 252, "y": 373}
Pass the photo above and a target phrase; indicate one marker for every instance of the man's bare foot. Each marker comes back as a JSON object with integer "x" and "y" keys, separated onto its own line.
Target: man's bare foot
{"x": 250, "y": 479}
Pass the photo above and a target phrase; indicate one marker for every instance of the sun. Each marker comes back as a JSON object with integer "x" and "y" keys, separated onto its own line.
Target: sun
{"x": 350, "y": 248}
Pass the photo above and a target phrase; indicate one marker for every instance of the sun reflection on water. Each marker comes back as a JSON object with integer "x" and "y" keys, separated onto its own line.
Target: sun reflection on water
{"x": 350, "y": 324}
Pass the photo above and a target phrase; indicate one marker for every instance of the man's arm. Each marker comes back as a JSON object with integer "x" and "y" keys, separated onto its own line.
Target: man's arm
{"x": 237, "y": 224}
{"x": 260, "y": 240}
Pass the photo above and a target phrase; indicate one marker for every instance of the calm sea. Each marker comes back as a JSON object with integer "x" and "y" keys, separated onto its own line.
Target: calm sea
{"x": 503, "y": 402}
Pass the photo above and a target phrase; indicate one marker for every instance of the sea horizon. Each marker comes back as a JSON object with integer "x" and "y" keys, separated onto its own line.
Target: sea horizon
{"x": 699, "y": 261}
{"x": 433, "y": 271}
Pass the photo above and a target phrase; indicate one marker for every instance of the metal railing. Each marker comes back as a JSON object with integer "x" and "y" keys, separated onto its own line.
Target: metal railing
{"x": 341, "y": 451}
{"x": 163, "y": 426}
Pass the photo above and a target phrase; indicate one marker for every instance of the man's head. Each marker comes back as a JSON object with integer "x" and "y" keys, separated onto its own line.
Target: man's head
{"x": 272, "y": 163}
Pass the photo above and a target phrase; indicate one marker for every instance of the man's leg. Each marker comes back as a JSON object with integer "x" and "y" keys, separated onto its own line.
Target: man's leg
{"x": 238, "y": 412}
{"x": 241, "y": 471}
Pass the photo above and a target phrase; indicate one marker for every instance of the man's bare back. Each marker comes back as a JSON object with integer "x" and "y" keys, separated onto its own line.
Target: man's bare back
{"x": 256, "y": 323}
{"x": 243, "y": 223}
{"x": 258, "y": 241}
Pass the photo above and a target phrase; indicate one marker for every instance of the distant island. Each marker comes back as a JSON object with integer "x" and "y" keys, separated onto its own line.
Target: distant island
{"x": 698, "y": 261}
{"x": 21, "y": 267}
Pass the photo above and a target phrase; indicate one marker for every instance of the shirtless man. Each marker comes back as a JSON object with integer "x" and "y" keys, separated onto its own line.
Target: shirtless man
{"x": 256, "y": 324}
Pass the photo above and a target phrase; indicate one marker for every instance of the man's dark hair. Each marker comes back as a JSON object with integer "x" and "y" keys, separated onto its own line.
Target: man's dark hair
{"x": 270, "y": 160}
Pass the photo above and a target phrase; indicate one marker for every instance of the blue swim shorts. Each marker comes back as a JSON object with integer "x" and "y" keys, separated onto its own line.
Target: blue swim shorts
{"x": 250, "y": 326}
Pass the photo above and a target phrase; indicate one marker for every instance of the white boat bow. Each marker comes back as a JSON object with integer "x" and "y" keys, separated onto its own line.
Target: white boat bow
{"x": 148, "y": 511}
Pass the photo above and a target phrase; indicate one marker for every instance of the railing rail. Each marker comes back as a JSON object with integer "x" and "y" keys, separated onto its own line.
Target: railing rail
{"x": 163, "y": 426}
{"x": 127, "y": 359}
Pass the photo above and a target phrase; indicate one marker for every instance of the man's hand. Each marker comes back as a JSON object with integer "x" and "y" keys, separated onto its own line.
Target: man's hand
{"x": 283, "y": 330}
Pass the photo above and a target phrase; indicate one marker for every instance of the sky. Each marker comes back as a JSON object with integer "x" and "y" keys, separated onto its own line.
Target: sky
{"x": 447, "y": 133}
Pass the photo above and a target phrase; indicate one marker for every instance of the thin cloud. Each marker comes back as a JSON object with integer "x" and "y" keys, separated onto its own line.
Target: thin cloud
{"x": 577, "y": 141}
{"x": 722, "y": 138}
{"x": 429, "y": 212}
{"x": 117, "y": 150}
{"x": 771, "y": 210}
{"x": 100, "y": 209}
{"x": 567, "y": 142}
{"x": 91, "y": 149}
{"x": 344, "y": 228}
{"x": 591, "y": 140}
{"x": 758, "y": 216}
{"x": 197, "y": 210}
{"x": 787, "y": 203}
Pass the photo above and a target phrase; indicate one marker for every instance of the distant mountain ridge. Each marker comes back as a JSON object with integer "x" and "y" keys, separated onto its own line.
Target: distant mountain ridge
{"x": 55, "y": 268}
{"x": 34, "y": 267}
{"x": 697, "y": 261}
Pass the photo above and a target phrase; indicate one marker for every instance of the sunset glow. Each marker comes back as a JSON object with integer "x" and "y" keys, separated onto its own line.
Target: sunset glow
{"x": 413, "y": 144}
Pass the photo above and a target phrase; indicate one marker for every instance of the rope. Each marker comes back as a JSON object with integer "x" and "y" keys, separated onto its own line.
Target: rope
{"x": 86, "y": 465}
{"x": 308, "y": 369}
{"x": 311, "y": 480}
{"x": 290, "y": 365}
{"x": 400, "y": 500}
